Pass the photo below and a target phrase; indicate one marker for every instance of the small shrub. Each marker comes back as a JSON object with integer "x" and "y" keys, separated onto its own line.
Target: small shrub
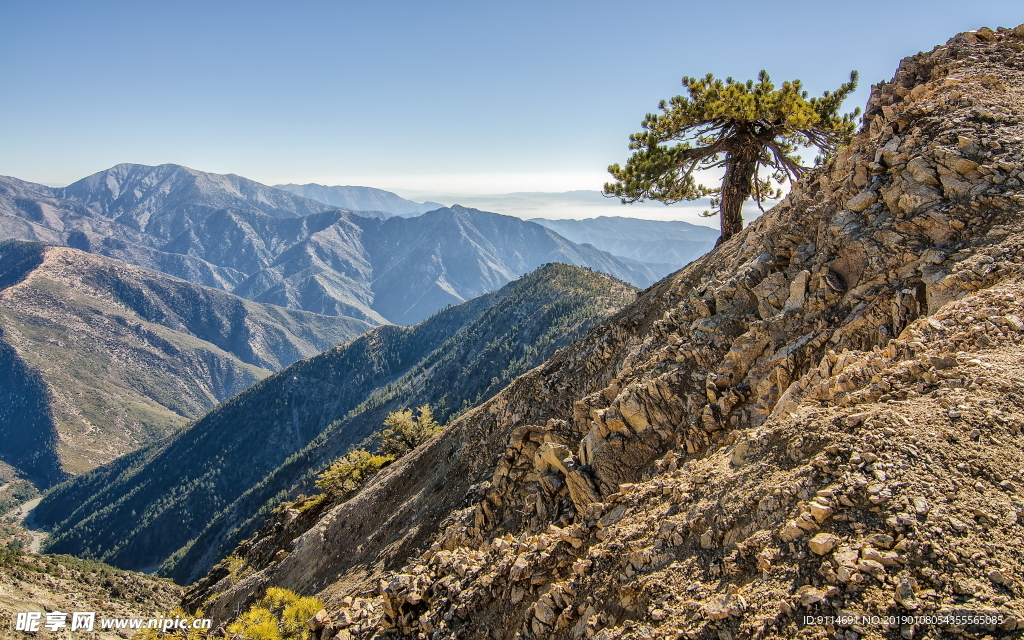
{"x": 280, "y": 615}
{"x": 347, "y": 473}
{"x": 405, "y": 432}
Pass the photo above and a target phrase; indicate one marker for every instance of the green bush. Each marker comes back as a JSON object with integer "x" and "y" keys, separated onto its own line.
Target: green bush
{"x": 347, "y": 473}
{"x": 280, "y": 615}
{"x": 405, "y": 432}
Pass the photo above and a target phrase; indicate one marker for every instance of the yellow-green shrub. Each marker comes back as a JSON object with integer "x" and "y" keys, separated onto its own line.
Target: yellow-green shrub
{"x": 280, "y": 615}
{"x": 405, "y": 432}
{"x": 348, "y": 472}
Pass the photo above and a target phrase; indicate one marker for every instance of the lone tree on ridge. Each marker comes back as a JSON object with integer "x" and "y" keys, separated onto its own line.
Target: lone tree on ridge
{"x": 743, "y": 127}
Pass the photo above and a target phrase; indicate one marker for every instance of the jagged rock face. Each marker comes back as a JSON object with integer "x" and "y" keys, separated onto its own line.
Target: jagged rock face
{"x": 821, "y": 417}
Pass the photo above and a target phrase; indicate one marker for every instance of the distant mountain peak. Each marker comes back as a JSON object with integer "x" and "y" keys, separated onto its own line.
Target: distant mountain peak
{"x": 141, "y": 192}
{"x": 357, "y": 198}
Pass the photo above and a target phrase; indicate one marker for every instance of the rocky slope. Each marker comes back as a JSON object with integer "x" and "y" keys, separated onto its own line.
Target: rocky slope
{"x": 209, "y": 487}
{"x": 66, "y": 584}
{"x": 268, "y": 245}
{"x": 100, "y": 357}
{"x": 823, "y": 416}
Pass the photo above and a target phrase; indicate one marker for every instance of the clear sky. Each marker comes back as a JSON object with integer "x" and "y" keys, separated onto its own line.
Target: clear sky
{"x": 443, "y": 96}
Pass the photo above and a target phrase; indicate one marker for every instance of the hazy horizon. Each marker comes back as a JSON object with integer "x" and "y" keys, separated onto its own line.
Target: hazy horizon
{"x": 576, "y": 204}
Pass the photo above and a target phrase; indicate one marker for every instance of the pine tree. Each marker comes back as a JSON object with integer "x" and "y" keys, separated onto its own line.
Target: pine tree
{"x": 743, "y": 127}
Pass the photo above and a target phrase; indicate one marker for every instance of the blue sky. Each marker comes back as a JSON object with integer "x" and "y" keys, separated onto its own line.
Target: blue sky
{"x": 484, "y": 97}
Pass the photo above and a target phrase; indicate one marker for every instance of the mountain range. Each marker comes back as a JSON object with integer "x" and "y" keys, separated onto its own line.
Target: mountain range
{"x": 363, "y": 199}
{"x": 268, "y": 245}
{"x": 194, "y": 496}
{"x": 231, "y": 280}
{"x": 664, "y": 245}
{"x": 671, "y": 243}
{"x": 111, "y": 356}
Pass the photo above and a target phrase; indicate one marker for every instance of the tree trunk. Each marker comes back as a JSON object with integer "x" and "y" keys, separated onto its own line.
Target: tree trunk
{"x": 736, "y": 187}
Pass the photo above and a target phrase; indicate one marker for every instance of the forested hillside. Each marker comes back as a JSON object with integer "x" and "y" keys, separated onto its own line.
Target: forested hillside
{"x": 136, "y": 513}
{"x": 102, "y": 357}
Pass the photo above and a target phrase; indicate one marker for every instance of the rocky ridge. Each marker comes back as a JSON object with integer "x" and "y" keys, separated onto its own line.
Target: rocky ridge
{"x": 823, "y": 416}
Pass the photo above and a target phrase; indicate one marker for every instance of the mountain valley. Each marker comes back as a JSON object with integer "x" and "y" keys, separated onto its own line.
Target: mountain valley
{"x": 215, "y": 481}
{"x": 103, "y": 357}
